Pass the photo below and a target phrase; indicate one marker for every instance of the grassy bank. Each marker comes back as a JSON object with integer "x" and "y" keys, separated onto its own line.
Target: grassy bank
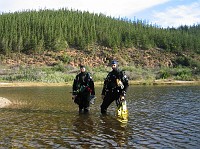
{"x": 141, "y": 82}
{"x": 64, "y": 75}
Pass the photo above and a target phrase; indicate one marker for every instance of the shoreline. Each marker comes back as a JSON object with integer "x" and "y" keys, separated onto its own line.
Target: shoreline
{"x": 29, "y": 84}
{"x": 165, "y": 82}
{"x": 139, "y": 82}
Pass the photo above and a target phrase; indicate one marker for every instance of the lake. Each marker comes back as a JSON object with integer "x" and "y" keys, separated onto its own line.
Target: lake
{"x": 46, "y": 117}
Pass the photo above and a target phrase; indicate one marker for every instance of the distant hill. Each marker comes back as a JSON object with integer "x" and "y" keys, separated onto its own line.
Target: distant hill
{"x": 47, "y": 37}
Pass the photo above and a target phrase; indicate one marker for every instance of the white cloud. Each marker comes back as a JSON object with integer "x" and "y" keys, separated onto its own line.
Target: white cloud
{"x": 19, "y": 5}
{"x": 113, "y": 8}
{"x": 180, "y": 15}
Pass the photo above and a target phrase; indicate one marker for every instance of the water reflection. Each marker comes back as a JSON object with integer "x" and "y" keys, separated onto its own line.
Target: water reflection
{"x": 83, "y": 131}
{"x": 159, "y": 117}
{"x": 113, "y": 132}
{"x": 96, "y": 132}
{"x": 164, "y": 119}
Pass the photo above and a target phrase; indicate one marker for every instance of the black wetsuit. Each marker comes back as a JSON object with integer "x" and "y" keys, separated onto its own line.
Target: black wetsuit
{"x": 83, "y": 87}
{"x": 112, "y": 90}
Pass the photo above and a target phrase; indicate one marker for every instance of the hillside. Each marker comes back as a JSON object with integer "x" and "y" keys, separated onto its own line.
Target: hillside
{"x": 145, "y": 58}
{"x": 52, "y": 43}
{"x": 101, "y": 56}
{"x": 149, "y": 65}
{"x": 51, "y": 30}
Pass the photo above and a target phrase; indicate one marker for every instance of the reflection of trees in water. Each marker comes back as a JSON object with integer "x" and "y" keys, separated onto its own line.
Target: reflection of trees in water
{"x": 114, "y": 133}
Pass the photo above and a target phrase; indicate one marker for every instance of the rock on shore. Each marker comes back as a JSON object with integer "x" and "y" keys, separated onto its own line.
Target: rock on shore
{"x": 4, "y": 102}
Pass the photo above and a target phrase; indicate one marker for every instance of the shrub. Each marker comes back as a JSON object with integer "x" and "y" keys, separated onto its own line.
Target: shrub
{"x": 184, "y": 74}
{"x": 164, "y": 73}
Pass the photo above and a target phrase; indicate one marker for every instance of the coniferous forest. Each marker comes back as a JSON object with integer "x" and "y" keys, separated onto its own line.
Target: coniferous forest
{"x": 32, "y": 31}
{"x": 57, "y": 29}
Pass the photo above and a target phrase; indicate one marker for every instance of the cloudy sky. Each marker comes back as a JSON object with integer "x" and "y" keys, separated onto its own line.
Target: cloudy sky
{"x": 164, "y": 13}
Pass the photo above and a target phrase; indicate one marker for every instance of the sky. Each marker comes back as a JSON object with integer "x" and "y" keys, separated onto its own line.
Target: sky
{"x": 163, "y": 13}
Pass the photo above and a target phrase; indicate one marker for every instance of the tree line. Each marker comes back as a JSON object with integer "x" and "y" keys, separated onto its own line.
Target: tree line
{"x": 35, "y": 31}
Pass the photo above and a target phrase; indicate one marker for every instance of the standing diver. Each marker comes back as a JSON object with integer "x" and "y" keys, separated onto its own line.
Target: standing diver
{"x": 83, "y": 90}
{"x": 115, "y": 87}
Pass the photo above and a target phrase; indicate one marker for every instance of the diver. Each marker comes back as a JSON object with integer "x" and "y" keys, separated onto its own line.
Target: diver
{"x": 83, "y": 90}
{"x": 114, "y": 88}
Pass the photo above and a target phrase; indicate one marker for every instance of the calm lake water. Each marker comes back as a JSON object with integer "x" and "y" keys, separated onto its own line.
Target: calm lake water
{"x": 46, "y": 117}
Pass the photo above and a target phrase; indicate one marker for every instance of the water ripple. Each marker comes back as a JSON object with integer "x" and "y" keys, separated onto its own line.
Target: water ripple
{"x": 159, "y": 117}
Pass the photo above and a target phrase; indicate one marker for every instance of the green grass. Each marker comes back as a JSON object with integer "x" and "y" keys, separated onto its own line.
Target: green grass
{"x": 61, "y": 73}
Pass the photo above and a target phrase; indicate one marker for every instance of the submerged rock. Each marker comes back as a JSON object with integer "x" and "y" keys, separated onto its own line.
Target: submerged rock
{"x": 4, "y": 102}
